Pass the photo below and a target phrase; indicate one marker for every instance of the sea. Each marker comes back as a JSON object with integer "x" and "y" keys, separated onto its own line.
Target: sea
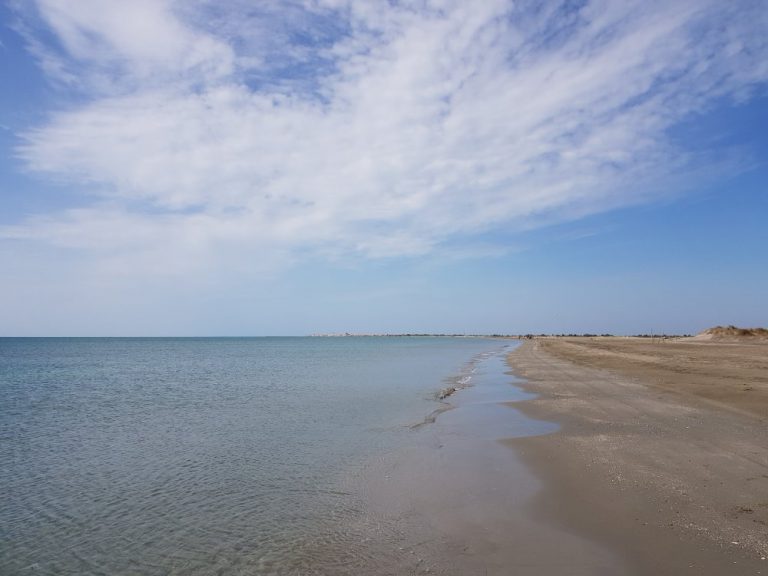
{"x": 230, "y": 455}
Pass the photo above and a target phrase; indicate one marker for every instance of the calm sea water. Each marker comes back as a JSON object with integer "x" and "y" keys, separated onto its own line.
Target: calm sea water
{"x": 206, "y": 456}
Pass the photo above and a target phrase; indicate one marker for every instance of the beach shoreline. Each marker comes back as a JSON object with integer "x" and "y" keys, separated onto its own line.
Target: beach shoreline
{"x": 459, "y": 497}
{"x": 663, "y": 448}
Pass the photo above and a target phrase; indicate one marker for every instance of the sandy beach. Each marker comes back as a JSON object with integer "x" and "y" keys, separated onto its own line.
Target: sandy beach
{"x": 662, "y": 453}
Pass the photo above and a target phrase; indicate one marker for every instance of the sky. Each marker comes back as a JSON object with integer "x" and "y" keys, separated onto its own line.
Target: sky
{"x": 292, "y": 167}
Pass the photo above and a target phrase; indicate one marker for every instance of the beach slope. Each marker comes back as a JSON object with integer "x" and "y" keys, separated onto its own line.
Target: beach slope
{"x": 663, "y": 450}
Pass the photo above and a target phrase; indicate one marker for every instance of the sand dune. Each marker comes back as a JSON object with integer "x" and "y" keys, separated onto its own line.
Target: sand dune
{"x": 732, "y": 333}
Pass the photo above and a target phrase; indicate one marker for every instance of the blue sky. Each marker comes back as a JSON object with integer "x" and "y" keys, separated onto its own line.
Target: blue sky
{"x": 292, "y": 167}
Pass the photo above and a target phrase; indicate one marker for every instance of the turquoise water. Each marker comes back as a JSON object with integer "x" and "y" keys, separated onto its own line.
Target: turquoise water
{"x": 205, "y": 456}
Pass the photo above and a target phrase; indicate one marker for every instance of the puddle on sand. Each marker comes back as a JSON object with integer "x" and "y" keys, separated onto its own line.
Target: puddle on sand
{"x": 460, "y": 500}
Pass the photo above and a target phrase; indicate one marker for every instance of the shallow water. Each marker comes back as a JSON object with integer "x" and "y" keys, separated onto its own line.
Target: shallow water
{"x": 200, "y": 456}
{"x": 270, "y": 456}
{"x": 465, "y": 503}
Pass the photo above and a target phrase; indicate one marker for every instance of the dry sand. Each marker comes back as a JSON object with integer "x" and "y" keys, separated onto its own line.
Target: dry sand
{"x": 663, "y": 450}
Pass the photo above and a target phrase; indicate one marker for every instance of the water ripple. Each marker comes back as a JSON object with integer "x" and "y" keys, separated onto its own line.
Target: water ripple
{"x": 207, "y": 456}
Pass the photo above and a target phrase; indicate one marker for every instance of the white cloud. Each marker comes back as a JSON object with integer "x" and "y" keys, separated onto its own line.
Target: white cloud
{"x": 369, "y": 127}
{"x": 129, "y": 44}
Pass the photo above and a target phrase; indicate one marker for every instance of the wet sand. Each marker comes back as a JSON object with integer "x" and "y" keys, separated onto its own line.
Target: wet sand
{"x": 663, "y": 451}
{"x": 460, "y": 500}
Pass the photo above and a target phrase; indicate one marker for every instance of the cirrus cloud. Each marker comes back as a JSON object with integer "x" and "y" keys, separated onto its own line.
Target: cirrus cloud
{"x": 369, "y": 127}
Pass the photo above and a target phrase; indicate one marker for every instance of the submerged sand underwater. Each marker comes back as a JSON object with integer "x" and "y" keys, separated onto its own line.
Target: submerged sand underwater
{"x": 320, "y": 456}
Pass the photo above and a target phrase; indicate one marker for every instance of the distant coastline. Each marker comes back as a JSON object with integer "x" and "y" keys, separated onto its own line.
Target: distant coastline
{"x": 526, "y": 336}
{"x": 402, "y": 335}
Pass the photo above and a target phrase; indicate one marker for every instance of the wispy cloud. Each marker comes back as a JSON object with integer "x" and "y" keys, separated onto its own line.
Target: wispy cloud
{"x": 369, "y": 127}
